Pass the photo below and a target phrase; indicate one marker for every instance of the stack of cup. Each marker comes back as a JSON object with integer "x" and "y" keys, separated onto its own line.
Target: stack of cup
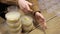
{"x": 27, "y": 23}
{"x": 13, "y": 22}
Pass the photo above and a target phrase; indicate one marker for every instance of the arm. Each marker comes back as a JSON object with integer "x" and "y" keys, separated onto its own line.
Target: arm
{"x": 35, "y": 6}
{"x": 13, "y": 2}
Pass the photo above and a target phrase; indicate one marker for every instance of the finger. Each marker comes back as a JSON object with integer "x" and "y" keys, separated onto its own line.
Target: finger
{"x": 29, "y": 3}
{"x": 40, "y": 15}
{"x": 28, "y": 8}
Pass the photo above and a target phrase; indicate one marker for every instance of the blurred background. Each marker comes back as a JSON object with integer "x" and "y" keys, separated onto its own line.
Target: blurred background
{"x": 51, "y": 11}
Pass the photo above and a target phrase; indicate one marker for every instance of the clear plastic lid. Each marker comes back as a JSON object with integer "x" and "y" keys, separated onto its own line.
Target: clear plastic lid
{"x": 12, "y": 16}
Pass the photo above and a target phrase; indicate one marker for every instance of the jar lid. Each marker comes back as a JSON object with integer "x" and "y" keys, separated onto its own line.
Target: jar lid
{"x": 26, "y": 20}
{"x": 12, "y": 16}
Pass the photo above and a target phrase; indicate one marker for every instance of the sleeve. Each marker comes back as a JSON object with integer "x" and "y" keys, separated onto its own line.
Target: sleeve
{"x": 13, "y": 2}
{"x": 35, "y": 6}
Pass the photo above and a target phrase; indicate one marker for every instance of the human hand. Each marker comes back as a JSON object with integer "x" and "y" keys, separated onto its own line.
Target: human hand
{"x": 41, "y": 20}
{"x": 24, "y": 5}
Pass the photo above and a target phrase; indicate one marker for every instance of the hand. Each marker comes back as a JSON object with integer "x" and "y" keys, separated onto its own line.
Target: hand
{"x": 41, "y": 20}
{"x": 24, "y": 5}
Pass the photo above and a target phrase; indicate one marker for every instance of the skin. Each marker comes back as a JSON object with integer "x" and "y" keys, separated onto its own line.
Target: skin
{"x": 24, "y": 5}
